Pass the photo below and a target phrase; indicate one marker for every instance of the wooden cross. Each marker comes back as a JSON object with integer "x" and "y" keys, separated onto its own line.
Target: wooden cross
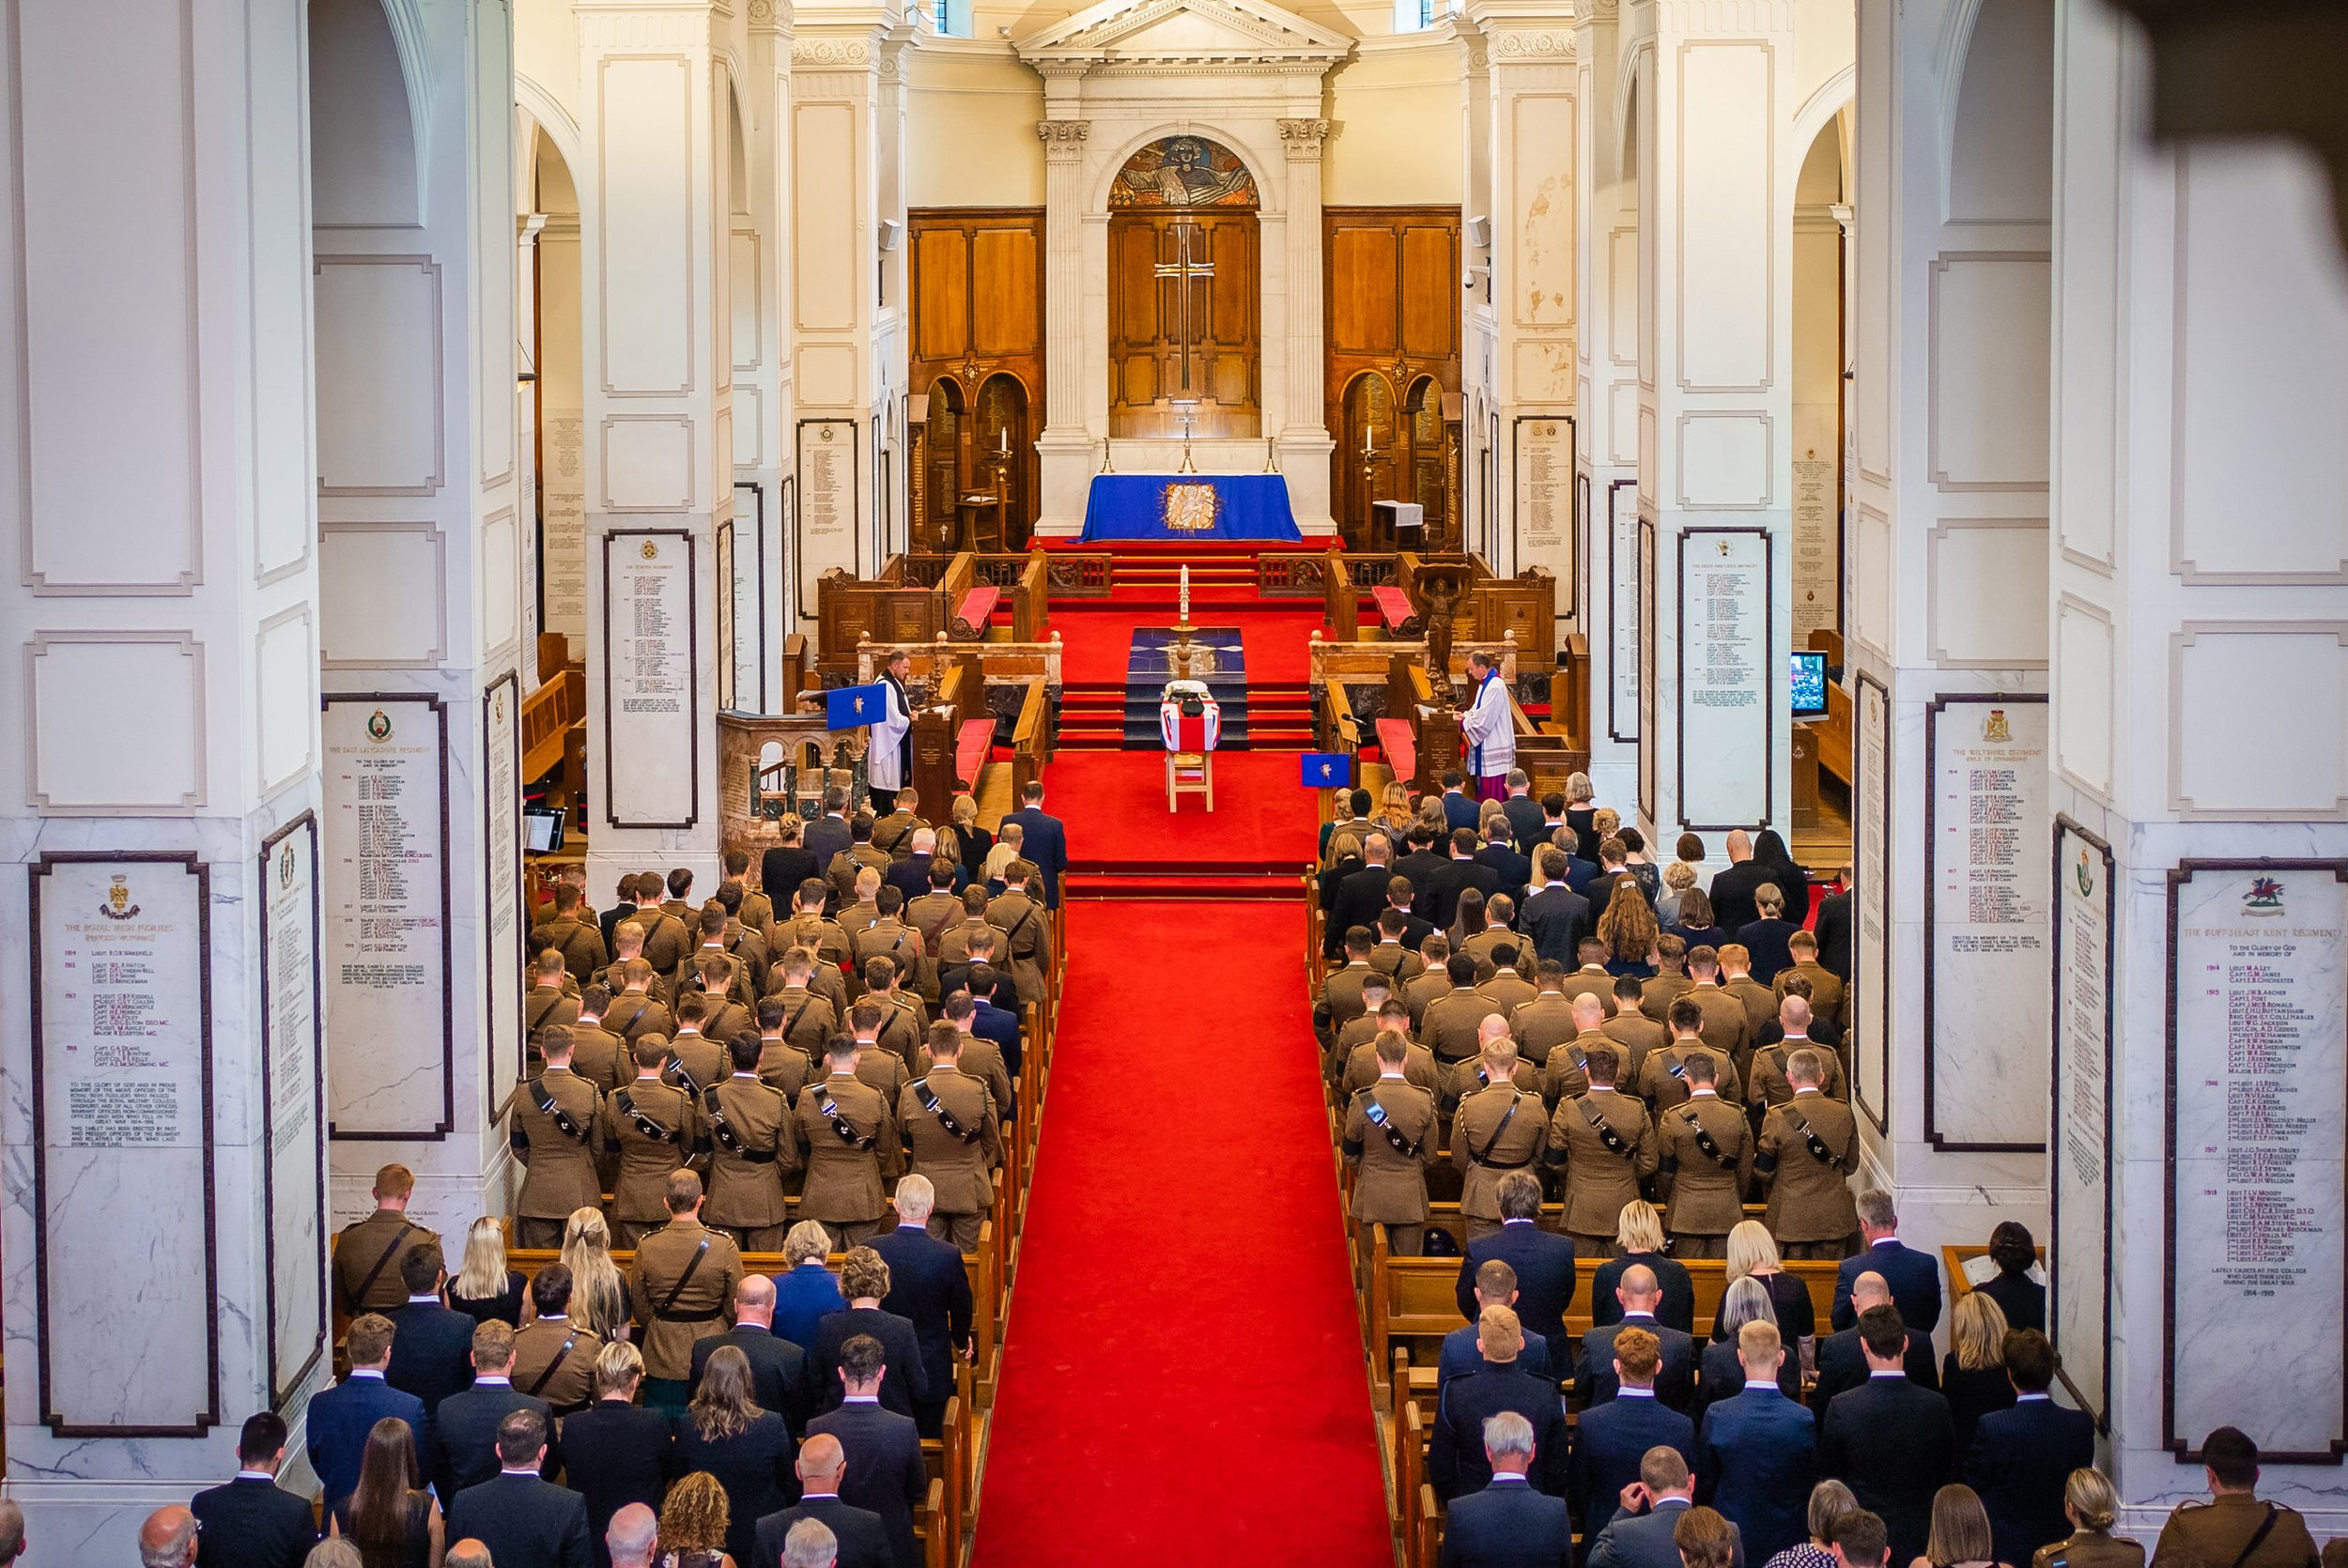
{"x": 1183, "y": 269}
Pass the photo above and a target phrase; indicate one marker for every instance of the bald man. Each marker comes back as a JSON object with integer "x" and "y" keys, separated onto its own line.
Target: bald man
{"x": 1842, "y": 1361}
{"x": 778, "y": 1369}
{"x": 862, "y": 1541}
{"x": 1594, "y": 1377}
{"x": 469, "y": 1553}
{"x": 1565, "y": 1066}
{"x": 634, "y": 1534}
{"x": 167, "y": 1540}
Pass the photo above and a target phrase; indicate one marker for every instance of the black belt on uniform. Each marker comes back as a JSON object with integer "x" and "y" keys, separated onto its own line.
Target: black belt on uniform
{"x": 1498, "y": 1165}
{"x": 755, "y": 1157}
{"x": 708, "y": 1317}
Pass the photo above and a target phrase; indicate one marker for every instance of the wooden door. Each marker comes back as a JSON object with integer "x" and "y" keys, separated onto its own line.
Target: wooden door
{"x": 1185, "y": 328}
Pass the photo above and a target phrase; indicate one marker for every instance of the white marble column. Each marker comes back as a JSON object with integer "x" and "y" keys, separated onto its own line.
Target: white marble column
{"x": 162, "y": 677}
{"x": 2198, "y": 627}
{"x": 1066, "y": 445}
{"x": 1606, "y": 405}
{"x": 1304, "y": 437}
{"x": 657, "y": 425}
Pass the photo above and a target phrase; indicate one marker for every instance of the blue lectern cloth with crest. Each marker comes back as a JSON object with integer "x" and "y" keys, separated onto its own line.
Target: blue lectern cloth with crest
{"x": 1190, "y": 506}
{"x": 850, "y": 707}
{"x": 1327, "y": 770}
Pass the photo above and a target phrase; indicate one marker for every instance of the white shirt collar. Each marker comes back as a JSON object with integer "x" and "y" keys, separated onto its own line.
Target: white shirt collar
{"x": 419, "y": 1300}
{"x": 1885, "y": 1242}
{"x": 1506, "y": 1223}
{"x": 1627, "y": 1391}
{"x": 257, "y": 1475}
{"x": 2041, "y": 1398}
{"x": 492, "y": 1380}
{"x": 1895, "y": 1372}
{"x": 376, "y": 1372}
{"x": 862, "y": 1399}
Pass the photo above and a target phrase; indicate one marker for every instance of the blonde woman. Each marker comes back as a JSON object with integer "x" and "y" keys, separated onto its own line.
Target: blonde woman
{"x": 1581, "y": 812}
{"x": 1973, "y": 1374}
{"x": 484, "y": 1287}
{"x": 1639, "y": 1238}
{"x": 971, "y": 841}
{"x": 2091, "y": 1505}
{"x": 1679, "y": 878}
{"x": 1751, "y": 1253}
{"x": 1960, "y": 1531}
{"x": 598, "y": 1293}
{"x": 1394, "y": 807}
{"x": 1007, "y": 847}
{"x": 781, "y": 869}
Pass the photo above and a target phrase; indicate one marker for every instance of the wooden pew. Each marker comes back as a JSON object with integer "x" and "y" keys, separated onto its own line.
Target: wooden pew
{"x": 1030, "y": 737}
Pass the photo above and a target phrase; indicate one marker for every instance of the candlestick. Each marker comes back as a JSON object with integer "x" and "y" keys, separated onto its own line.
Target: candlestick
{"x": 1186, "y": 607}
{"x": 1004, "y": 447}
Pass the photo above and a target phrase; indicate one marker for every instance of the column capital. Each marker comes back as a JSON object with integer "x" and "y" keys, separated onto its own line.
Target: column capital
{"x": 1303, "y": 140}
{"x": 1063, "y": 140}
{"x": 770, "y": 16}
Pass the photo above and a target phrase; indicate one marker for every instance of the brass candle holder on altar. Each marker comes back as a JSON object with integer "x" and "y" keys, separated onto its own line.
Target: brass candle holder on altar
{"x": 1186, "y": 659}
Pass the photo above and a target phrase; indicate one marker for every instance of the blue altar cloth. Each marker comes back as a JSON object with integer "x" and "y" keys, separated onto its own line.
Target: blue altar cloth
{"x": 1201, "y": 506}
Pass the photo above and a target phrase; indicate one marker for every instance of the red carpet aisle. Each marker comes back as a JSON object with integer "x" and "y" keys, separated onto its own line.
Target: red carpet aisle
{"x": 1182, "y": 1381}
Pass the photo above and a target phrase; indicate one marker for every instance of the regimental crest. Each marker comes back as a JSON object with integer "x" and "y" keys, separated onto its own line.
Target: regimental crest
{"x": 1995, "y": 727}
{"x": 652, "y": 552}
{"x": 2086, "y": 877}
{"x": 1190, "y": 508}
{"x": 284, "y": 866}
{"x": 2264, "y": 901}
{"x": 497, "y": 706}
{"x": 379, "y": 725}
{"x": 118, "y": 905}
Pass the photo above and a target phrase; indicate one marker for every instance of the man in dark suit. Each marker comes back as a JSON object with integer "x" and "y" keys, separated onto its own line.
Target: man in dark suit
{"x": 1757, "y": 1453}
{"x": 991, "y": 1023}
{"x": 911, "y": 876}
{"x": 885, "y": 1474}
{"x": 1542, "y": 1259}
{"x": 1440, "y": 902}
{"x": 1456, "y": 1462}
{"x": 1653, "y": 1508}
{"x": 829, "y": 834}
{"x": 1555, "y": 915}
{"x": 1495, "y": 1287}
{"x": 1508, "y": 1524}
{"x": 617, "y": 1454}
{"x": 1360, "y": 894}
{"x": 1594, "y": 1375}
{"x": 1526, "y": 824}
{"x": 252, "y": 1520}
{"x": 1615, "y": 1438}
{"x": 2021, "y": 1457}
{"x": 610, "y": 920}
{"x": 1423, "y": 855}
{"x": 1842, "y": 1359}
{"x": 778, "y": 1369}
{"x": 863, "y": 1540}
{"x": 1833, "y": 929}
{"x": 341, "y": 1417}
{"x": 431, "y": 1346}
{"x": 1914, "y": 1277}
{"x": 1892, "y": 1442}
{"x": 466, "y": 1428}
{"x": 928, "y": 1288}
{"x": 1733, "y": 889}
{"x": 525, "y": 1522}
{"x": 1045, "y": 843}
{"x": 1513, "y": 869}
{"x": 1459, "y": 809}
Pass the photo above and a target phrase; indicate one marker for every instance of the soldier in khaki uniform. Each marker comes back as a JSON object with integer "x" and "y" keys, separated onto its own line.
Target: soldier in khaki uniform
{"x": 1433, "y": 983}
{"x": 781, "y": 1064}
{"x": 1453, "y": 1023}
{"x": 1826, "y": 987}
{"x": 1565, "y": 1069}
{"x": 859, "y": 854}
{"x": 667, "y": 939}
{"x": 1390, "y": 957}
{"x": 1359, "y": 1070}
{"x": 628, "y": 941}
{"x": 1389, "y": 1137}
{"x": 1378, "y": 1001}
{"x": 653, "y": 1127}
{"x": 1546, "y": 1020}
{"x": 1662, "y": 1080}
{"x": 757, "y": 909}
{"x": 842, "y": 1127}
{"x": 1499, "y": 1127}
{"x": 1592, "y": 978}
{"x": 726, "y": 1015}
{"x": 808, "y": 928}
{"x": 982, "y": 1059}
{"x": 1631, "y": 1029}
{"x": 931, "y": 916}
{"x": 1475, "y": 1075}
{"x": 580, "y": 940}
{"x": 807, "y": 1020}
{"x": 751, "y": 1148}
{"x": 1505, "y": 985}
{"x": 1341, "y": 989}
{"x": 744, "y": 940}
{"x": 888, "y": 936}
{"x": 550, "y": 1002}
{"x": 1671, "y": 981}
{"x": 556, "y": 1130}
{"x": 554, "y": 1358}
{"x": 1705, "y": 1164}
{"x": 1025, "y": 927}
{"x": 1485, "y": 946}
{"x": 893, "y": 834}
{"x": 953, "y": 946}
{"x": 1759, "y": 1002}
{"x": 1805, "y": 1157}
{"x": 1725, "y": 1028}
{"x": 635, "y": 1011}
{"x": 885, "y": 1074}
{"x": 684, "y": 1275}
{"x": 367, "y": 1254}
{"x": 695, "y": 1061}
{"x": 680, "y": 899}
{"x": 1606, "y": 1146}
{"x": 954, "y": 1135}
{"x": 691, "y": 970}
{"x": 862, "y": 906}
{"x": 597, "y": 1055}
{"x": 905, "y": 1017}
{"x": 1769, "y": 1084}
{"x": 2232, "y": 1529}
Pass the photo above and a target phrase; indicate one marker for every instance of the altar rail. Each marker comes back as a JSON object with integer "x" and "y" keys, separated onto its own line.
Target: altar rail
{"x": 1525, "y": 604}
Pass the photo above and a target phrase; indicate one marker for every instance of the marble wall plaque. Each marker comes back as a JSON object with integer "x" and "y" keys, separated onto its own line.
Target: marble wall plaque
{"x": 501, "y": 879}
{"x": 728, "y": 697}
{"x": 564, "y": 542}
{"x": 293, "y": 1062}
{"x": 1989, "y": 907}
{"x": 2258, "y": 1085}
{"x": 651, "y": 685}
{"x": 1626, "y": 610}
{"x": 1871, "y": 865}
{"x": 1727, "y": 758}
{"x": 389, "y": 937}
{"x": 1649, "y": 678}
{"x": 749, "y": 598}
{"x": 1816, "y": 549}
{"x": 2079, "y": 1282}
{"x": 1544, "y": 475}
{"x": 827, "y": 502}
{"x": 127, "y": 1282}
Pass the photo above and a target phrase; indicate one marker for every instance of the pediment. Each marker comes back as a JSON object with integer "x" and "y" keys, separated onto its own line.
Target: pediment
{"x": 1176, "y": 32}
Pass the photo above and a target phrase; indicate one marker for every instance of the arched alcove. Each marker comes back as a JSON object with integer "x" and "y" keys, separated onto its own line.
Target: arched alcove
{"x": 363, "y": 132}
{"x": 2000, "y": 168}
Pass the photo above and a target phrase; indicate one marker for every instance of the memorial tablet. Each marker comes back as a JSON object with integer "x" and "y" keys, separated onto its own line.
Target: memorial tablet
{"x": 293, "y": 1059}
{"x": 1726, "y": 678}
{"x": 2078, "y": 1314}
{"x": 651, "y": 680}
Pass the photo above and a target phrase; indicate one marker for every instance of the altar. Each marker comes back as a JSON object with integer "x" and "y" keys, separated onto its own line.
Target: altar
{"x": 1190, "y": 506}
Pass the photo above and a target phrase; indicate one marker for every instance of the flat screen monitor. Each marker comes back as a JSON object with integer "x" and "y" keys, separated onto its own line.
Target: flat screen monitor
{"x": 1807, "y": 684}
{"x": 542, "y": 828}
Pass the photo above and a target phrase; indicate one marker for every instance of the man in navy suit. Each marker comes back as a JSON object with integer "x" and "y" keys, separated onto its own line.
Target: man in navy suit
{"x": 1615, "y": 1438}
{"x": 1555, "y": 915}
{"x": 1458, "y": 809}
{"x": 1495, "y": 1287}
{"x": 253, "y": 1521}
{"x": 1892, "y": 1442}
{"x": 1653, "y": 1508}
{"x": 1593, "y": 1375}
{"x": 1440, "y": 903}
{"x": 1542, "y": 1259}
{"x": 1758, "y": 1455}
{"x": 863, "y": 1543}
{"x": 1508, "y": 1524}
{"x": 524, "y": 1521}
{"x": 911, "y": 877}
{"x": 1045, "y": 840}
{"x": 1525, "y": 821}
{"x": 829, "y": 834}
{"x": 779, "y": 1371}
{"x": 991, "y": 1023}
{"x": 1359, "y": 895}
{"x": 1455, "y": 1457}
{"x": 1913, "y": 1277}
{"x": 1841, "y": 1361}
{"x": 2022, "y": 1457}
{"x": 431, "y": 1346}
{"x": 341, "y": 1417}
{"x": 929, "y": 1287}
{"x": 466, "y": 1430}
{"x": 885, "y": 1474}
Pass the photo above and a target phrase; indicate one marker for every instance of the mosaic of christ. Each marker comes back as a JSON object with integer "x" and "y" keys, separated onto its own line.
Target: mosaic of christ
{"x": 1184, "y": 171}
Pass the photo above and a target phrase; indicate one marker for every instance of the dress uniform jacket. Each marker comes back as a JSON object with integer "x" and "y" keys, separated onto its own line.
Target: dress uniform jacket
{"x": 820, "y": 936}
{"x": 1657, "y": 994}
{"x": 1703, "y": 1189}
{"x": 1726, "y": 1027}
{"x": 580, "y": 942}
{"x": 548, "y": 1006}
{"x": 893, "y": 834}
{"x": 366, "y": 1261}
{"x": 1760, "y": 1004}
{"x": 1508, "y": 990}
{"x": 959, "y": 1161}
{"x": 1600, "y": 1178}
{"x": 1429, "y": 987}
{"x": 1637, "y": 1034}
{"x": 1471, "y": 1077}
{"x": 1453, "y": 1021}
{"x": 1542, "y": 1024}
{"x": 782, "y": 1065}
{"x": 1397, "y": 962}
{"x": 891, "y": 936}
{"x": 560, "y": 1160}
{"x": 847, "y": 863}
{"x": 1769, "y": 1085}
{"x": 2091, "y": 1548}
{"x": 2217, "y": 1533}
{"x": 1809, "y": 1199}
{"x": 1341, "y": 993}
{"x": 1566, "y": 1071}
{"x": 730, "y": 1019}
{"x": 932, "y": 915}
{"x": 554, "y": 1360}
{"x": 1590, "y": 979}
{"x": 808, "y": 1020}
{"x": 758, "y": 911}
{"x": 635, "y": 1012}
{"x": 684, "y": 1276}
{"x": 1361, "y": 1068}
{"x": 664, "y": 1139}
{"x": 609, "y": 977}
{"x": 667, "y": 940}
{"x": 1826, "y": 994}
{"x": 982, "y": 1060}
{"x": 600, "y": 1057}
{"x": 1662, "y": 1086}
{"x": 900, "y": 1035}
{"x": 953, "y": 946}
{"x": 739, "y": 990}
{"x": 1498, "y": 1129}
{"x": 702, "y": 1059}
{"x": 1390, "y": 1185}
{"x": 1028, "y": 941}
{"x": 886, "y": 1076}
{"x": 844, "y": 1173}
{"x": 751, "y": 1148}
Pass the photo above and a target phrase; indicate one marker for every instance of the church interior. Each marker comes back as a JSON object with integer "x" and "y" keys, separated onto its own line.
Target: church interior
{"x": 1136, "y": 483}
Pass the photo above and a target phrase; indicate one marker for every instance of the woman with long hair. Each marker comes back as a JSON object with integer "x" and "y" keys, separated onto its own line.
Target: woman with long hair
{"x": 748, "y": 1449}
{"x": 1394, "y": 807}
{"x": 599, "y": 1293}
{"x": 1469, "y": 919}
{"x": 1973, "y": 1374}
{"x": 1628, "y": 930}
{"x": 1751, "y": 1253}
{"x": 971, "y": 841}
{"x": 1960, "y": 1531}
{"x": 694, "y": 1523}
{"x": 389, "y": 1516}
{"x": 484, "y": 1287}
{"x": 1694, "y": 923}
